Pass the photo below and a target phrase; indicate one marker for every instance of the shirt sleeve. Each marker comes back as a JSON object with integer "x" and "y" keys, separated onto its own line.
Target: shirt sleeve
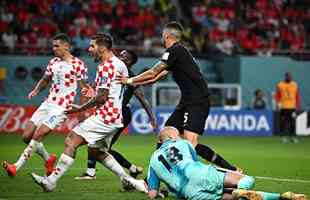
{"x": 152, "y": 179}
{"x": 48, "y": 70}
{"x": 170, "y": 56}
{"x": 105, "y": 76}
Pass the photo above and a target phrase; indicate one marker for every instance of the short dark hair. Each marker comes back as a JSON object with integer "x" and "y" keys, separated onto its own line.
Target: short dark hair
{"x": 174, "y": 25}
{"x": 63, "y": 37}
{"x": 133, "y": 56}
{"x": 103, "y": 39}
{"x": 175, "y": 29}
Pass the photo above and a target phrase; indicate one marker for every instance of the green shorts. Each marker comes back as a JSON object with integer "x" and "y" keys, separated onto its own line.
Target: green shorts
{"x": 205, "y": 182}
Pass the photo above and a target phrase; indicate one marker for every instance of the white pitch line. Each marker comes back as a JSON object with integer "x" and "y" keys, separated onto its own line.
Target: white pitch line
{"x": 283, "y": 179}
{"x": 257, "y": 177}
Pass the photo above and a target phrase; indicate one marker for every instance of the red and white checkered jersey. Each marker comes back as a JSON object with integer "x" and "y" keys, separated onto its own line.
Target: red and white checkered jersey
{"x": 65, "y": 76}
{"x": 111, "y": 112}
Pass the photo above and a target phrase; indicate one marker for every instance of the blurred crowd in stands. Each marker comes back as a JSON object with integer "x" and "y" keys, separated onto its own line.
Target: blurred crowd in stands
{"x": 260, "y": 27}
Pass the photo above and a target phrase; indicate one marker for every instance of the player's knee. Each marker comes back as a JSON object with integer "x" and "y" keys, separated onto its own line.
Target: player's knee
{"x": 41, "y": 132}
{"x": 38, "y": 136}
{"x": 26, "y": 138}
{"x": 246, "y": 182}
{"x": 27, "y": 135}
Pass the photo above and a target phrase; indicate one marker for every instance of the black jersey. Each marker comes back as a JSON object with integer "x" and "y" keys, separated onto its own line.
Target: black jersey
{"x": 186, "y": 74}
{"x": 128, "y": 93}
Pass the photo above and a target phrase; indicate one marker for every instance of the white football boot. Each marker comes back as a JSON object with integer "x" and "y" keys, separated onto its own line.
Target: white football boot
{"x": 42, "y": 181}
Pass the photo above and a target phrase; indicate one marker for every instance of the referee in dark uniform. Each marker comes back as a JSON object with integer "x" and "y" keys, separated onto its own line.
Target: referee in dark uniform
{"x": 190, "y": 115}
{"x": 129, "y": 58}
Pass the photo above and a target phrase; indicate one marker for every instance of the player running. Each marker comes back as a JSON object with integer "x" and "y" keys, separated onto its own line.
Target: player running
{"x": 192, "y": 111}
{"x": 66, "y": 73}
{"x": 99, "y": 129}
{"x": 129, "y": 58}
{"x": 176, "y": 164}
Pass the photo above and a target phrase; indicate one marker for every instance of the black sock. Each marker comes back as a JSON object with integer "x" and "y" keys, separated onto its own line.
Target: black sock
{"x": 91, "y": 162}
{"x": 158, "y": 145}
{"x": 120, "y": 159}
{"x": 208, "y": 154}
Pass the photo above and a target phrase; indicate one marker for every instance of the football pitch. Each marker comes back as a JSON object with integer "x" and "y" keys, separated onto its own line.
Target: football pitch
{"x": 277, "y": 167}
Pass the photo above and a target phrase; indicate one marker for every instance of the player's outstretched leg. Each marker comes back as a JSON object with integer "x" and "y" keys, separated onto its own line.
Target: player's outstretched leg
{"x": 49, "y": 183}
{"x": 72, "y": 142}
{"x": 109, "y": 162}
{"x": 12, "y": 169}
{"x": 134, "y": 170}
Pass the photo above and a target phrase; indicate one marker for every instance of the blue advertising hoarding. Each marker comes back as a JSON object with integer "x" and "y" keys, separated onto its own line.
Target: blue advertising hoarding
{"x": 219, "y": 122}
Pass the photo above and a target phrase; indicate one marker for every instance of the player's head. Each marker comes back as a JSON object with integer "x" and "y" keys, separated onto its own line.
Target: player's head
{"x": 288, "y": 76}
{"x": 172, "y": 33}
{"x": 100, "y": 45}
{"x": 169, "y": 133}
{"x": 61, "y": 44}
{"x": 128, "y": 57}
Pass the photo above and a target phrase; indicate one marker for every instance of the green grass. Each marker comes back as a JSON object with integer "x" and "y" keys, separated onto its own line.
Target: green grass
{"x": 266, "y": 157}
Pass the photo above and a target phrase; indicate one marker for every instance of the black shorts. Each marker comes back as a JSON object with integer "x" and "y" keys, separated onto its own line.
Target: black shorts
{"x": 190, "y": 117}
{"x": 287, "y": 122}
{"x": 126, "y": 112}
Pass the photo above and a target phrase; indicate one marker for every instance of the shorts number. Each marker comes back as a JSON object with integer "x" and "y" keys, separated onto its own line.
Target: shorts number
{"x": 52, "y": 119}
{"x": 173, "y": 156}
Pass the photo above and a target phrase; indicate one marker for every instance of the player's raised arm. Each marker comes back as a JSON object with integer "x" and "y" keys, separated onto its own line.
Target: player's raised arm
{"x": 151, "y": 81}
{"x": 145, "y": 104}
{"x": 41, "y": 85}
{"x": 148, "y": 75}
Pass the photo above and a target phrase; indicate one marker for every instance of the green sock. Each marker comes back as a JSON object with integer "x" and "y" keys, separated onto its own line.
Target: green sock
{"x": 269, "y": 196}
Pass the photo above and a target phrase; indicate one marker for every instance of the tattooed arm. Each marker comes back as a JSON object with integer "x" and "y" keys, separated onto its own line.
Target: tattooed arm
{"x": 146, "y": 76}
{"x": 151, "y": 81}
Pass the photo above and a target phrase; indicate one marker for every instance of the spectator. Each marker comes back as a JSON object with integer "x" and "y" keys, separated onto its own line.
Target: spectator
{"x": 225, "y": 45}
{"x": 9, "y": 39}
{"x": 258, "y": 102}
{"x": 273, "y": 25}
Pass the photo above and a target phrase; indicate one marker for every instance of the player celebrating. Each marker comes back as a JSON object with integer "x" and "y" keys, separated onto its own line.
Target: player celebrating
{"x": 175, "y": 163}
{"x": 129, "y": 58}
{"x": 190, "y": 115}
{"x": 65, "y": 72}
{"x": 99, "y": 129}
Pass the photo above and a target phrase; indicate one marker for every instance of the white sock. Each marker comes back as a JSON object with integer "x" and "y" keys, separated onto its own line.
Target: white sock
{"x": 26, "y": 155}
{"x": 63, "y": 164}
{"x": 110, "y": 163}
{"x": 91, "y": 171}
{"x": 42, "y": 151}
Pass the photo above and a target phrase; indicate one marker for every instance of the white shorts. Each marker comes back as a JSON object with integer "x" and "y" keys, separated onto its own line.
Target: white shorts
{"x": 96, "y": 133}
{"x": 49, "y": 114}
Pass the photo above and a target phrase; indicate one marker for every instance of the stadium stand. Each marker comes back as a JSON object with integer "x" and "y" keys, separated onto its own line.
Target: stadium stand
{"x": 230, "y": 26}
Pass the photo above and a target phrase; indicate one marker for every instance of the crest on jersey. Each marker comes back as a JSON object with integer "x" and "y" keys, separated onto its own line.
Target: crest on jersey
{"x": 165, "y": 56}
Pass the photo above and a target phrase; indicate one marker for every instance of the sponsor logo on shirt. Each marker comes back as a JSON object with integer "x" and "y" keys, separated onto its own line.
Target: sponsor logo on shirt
{"x": 165, "y": 56}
